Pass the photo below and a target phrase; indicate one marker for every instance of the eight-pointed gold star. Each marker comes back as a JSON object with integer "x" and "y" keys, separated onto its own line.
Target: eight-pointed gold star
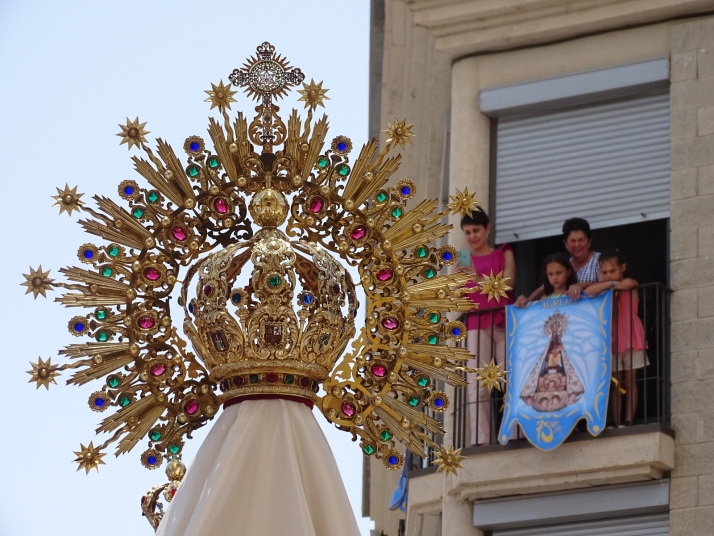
{"x": 220, "y": 96}
{"x": 449, "y": 460}
{"x": 37, "y": 282}
{"x": 68, "y": 199}
{"x": 43, "y": 373}
{"x": 495, "y": 286}
{"x": 313, "y": 95}
{"x": 491, "y": 376}
{"x": 463, "y": 203}
{"x": 399, "y": 132}
{"x": 89, "y": 458}
{"x": 133, "y": 133}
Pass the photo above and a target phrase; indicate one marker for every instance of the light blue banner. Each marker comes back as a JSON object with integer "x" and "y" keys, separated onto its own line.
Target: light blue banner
{"x": 558, "y": 362}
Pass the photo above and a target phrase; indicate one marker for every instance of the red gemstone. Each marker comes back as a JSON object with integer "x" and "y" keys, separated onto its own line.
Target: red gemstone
{"x": 305, "y": 382}
{"x": 348, "y": 409}
{"x": 192, "y": 407}
{"x": 390, "y": 323}
{"x": 146, "y": 322}
{"x": 158, "y": 369}
{"x": 336, "y": 288}
{"x": 271, "y": 377}
{"x": 208, "y": 290}
{"x": 358, "y": 233}
{"x": 238, "y": 381}
{"x": 152, "y": 274}
{"x": 221, "y": 205}
{"x": 379, "y": 370}
{"x": 179, "y": 234}
{"x": 385, "y": 274}
{"x": 143, "y": 500}
{"x": 316, "y": 205}
{"x": 173, "y": 492}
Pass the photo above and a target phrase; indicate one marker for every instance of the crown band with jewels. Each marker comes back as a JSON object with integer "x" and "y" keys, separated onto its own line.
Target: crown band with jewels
{"x": 286, "y": 330}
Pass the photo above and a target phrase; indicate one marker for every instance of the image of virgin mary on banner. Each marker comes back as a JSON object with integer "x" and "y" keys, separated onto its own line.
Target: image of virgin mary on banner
{"x": 558, "y": 363}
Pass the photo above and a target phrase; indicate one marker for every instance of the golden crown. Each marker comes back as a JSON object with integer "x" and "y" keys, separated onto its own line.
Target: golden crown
{"x": 294, "y": 304}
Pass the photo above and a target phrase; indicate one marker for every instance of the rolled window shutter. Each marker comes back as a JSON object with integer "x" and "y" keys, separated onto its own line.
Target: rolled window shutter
{"x": 608, "y": 163}
{"x": 651, "y": 525}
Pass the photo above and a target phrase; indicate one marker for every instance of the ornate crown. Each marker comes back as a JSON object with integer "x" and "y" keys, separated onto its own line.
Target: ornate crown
{"x": 267, "y": 306}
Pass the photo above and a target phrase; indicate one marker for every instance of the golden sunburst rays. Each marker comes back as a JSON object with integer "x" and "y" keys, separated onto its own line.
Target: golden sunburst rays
{"x": 448, "y": 460}
{"x": 68, "y": 199}
{"x": 463, "y": 203}
{"x": 220, "y": 96}
{"x": 399, "y": 133}
{"x": 43, "y": 373}
{"x": 313, "y": 95}
{"x": 133, "y": 133}
{"x": 495, "y": 286}
{"x": 89, "y": 457}
{"x": 37, "y": 282}
{"x": 491, "y": 376}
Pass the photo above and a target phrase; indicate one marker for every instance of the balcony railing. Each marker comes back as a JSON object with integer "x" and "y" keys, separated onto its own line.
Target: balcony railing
{"x": 484, "y": 411}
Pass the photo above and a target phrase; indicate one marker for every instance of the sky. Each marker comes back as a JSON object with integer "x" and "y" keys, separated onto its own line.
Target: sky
{"x": 71, "y": 72}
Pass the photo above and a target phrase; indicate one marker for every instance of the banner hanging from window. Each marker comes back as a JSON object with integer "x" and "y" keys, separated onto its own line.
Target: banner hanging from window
{"x": 558, "y": 362}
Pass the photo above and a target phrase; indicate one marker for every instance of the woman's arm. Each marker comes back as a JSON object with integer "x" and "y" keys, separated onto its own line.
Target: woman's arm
{"x": 509, "y": 268}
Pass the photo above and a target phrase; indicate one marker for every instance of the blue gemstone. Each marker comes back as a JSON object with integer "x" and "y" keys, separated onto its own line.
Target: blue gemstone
{"x": 406, "y": 190}
{"x": 341, "y": 146}
{"x": 195, "y": 146}
{"x": 456, "y": 332}
{"x": 88, "y": 254}
{"x": 438, "y": 402}
{"x": 393, "y": 460}
{"x": 447, "y": 256}
{"x": 128, "y": 190}
{"x": 354, "y": 313}
{"x": 307, "y": 299}
{"x": 151, "y": 460}
{"x": 79, "y": 326}
{"x": 99, "y": 402}
{"x": 190, "y": 307}
{"x": 236, "y": 298}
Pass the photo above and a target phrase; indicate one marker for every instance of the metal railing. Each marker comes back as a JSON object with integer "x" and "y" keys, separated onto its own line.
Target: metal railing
{"x": 476, "y": 414}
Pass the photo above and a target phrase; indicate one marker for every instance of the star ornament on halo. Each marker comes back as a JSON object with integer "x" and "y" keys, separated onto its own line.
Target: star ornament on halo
{"x": 37, "y": 282}
{"x": 495, "y": 286}
{"x": 399, "y": 133}
{"x": 448, "y": 460}
{"x": 89, "y": 457}
{"x": 491, "y": 376}
{"x": 220, "y": 96}
{"x": 68, "y": 199}
{"x": 463, "y": 203}
{"x": 133, "y": 133}
{"x": 43, "y": 373}
{"x": 313, "y": 95}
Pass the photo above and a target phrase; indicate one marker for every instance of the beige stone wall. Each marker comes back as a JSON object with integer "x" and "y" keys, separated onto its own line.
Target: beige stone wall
{"x": 692, "y": 276}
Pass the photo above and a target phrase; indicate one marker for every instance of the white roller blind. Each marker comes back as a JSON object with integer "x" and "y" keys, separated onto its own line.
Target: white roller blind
{"x": 654, "y": 525}
{"x": 607, "y": 163}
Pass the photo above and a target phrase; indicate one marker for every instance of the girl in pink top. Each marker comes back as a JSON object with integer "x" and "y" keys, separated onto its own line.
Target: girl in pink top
{"x": 629, "y": 346}
{"x": 486, "y": 328}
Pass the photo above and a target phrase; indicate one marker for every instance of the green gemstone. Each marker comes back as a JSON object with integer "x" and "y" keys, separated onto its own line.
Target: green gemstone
{"x": 113, "y": 382}
{"x": 213, "y": 162}
{"x": 155, "y": 435}
{"x": 433, "y": 339}
{"x": 386, "y": 435}
{"x": 138, "y": 213}
{"x": 429, "y": 273}
{"x": 124, "y": 401}
{"x": 107, "y": 272}
{"x": 423, "y": 381}
{"x": 274, "y": 281}
{"x": 422, "y": 252}
{"x": 174, "y": 448}
{"x": 101, "y": 314}
{"x": 153, "y": 197}
{"x": 343, "y": 170}
{"x": 113, "y": 251}
{"x": 382, "y": 196}
{"x": 322, "y": 162}
{"x": 413, "y": 401}
{"x": 193, "y": 171}
{"x": 254, "y": 378}
{"x": 102, "y": 336}
{"x": 434, "y": 317}
{"x": 397, "y": 212}
{"x": 289, "y": 378}
{"x": 368, "y": 450}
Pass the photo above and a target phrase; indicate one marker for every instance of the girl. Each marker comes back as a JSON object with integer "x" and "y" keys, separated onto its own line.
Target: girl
{"x": 628, "y": 336}
{"x": 486, "y": 337}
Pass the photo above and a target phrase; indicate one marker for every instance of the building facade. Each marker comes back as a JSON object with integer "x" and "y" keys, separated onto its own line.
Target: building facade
{"x": 551, "y": 109}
